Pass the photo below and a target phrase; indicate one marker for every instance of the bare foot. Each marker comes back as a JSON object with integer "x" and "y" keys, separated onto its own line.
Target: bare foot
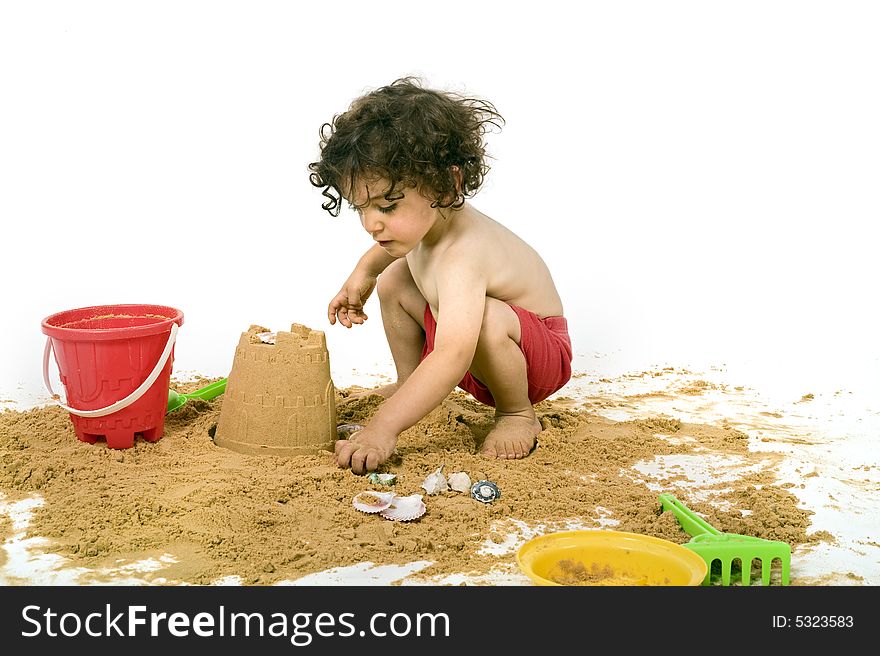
{"x": 512, "y": 438}
{"x": 385, "y": 391}
{"x": 365, "y": 450}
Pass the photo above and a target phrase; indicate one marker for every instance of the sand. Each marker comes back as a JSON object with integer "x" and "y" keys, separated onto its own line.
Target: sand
{"x": 269, "y": 519}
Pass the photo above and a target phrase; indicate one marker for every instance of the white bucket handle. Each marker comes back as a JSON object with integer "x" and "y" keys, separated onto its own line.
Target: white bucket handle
{"x": 128, "y": 400}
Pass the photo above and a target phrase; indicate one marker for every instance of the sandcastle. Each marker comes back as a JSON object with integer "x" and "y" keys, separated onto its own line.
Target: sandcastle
{"x": 279, "y": 397}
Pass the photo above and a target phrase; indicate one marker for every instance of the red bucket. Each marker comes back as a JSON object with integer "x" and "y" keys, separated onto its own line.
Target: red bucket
{"x": 115, "y": 364}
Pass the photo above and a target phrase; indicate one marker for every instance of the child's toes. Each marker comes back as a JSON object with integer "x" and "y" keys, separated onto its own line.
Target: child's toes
{"x": 488, "y": 451}
{"x": 505, "y": 450}
{"x": 527, "y": 446}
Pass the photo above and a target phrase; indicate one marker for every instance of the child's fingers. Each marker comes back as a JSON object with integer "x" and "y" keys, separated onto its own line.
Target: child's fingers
{"x": 358, "y": 460}
{"x": 338, "y": 310}
{"x": 364, "y": 460}
{"x": 334, "y": 307}
{"x": 372, "y": 460}
{"x": 342, "y": 453}
{"x": 344, "y": 450}
{"x": 349, "y": 316}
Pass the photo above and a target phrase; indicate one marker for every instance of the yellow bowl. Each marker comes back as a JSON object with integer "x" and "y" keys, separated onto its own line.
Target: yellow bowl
{"x": 608, "y": 558}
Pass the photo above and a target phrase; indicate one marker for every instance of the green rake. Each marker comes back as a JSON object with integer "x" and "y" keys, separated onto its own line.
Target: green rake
{"x": 711, "y": 545}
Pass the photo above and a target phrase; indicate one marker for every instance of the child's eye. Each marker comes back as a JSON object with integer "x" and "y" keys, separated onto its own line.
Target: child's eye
{"x": 387, "y": 210}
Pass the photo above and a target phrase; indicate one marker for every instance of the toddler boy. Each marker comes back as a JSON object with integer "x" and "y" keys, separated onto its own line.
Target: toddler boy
{"x": 464, "y": 301}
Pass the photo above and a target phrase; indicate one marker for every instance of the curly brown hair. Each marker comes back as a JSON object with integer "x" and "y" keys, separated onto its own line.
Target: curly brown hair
{"x": 409, "y": 136}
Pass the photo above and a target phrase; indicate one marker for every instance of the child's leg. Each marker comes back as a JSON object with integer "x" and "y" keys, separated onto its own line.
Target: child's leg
{"x": 403, "y": 311}
{"x": 500, "y": 365}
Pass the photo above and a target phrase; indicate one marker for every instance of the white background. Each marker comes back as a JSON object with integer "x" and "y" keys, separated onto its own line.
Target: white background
{"x": 701, "y": 177}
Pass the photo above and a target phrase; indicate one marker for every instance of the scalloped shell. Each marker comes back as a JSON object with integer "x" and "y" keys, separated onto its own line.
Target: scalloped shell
{"x": 267, "y": 337}
{"x": 372, "y": 502}
{"x": 405, "y": 509}
{"x": 436, "y": 482}
{"x": 460, "y": 482}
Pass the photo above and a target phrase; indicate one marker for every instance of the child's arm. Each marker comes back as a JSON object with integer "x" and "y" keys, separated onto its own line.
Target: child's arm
{"x": 462, "y": 301}
{"x": 375, "y": 260}
{"x": 348, "y": 304}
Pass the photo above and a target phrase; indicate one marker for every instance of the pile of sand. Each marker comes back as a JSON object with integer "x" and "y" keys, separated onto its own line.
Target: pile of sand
{"x": 268, "y": 519}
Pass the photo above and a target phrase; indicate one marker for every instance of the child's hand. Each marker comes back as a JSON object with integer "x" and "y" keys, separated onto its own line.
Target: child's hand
{"x": 365, "y": 450}
{"x": 348, "y": 304}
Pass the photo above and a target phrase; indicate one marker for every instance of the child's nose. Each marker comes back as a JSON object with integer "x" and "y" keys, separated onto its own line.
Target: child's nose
{"x": 371, "y": 222}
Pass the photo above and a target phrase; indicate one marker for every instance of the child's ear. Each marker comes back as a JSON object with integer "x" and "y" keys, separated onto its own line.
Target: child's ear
{"x": 456, "y": 174}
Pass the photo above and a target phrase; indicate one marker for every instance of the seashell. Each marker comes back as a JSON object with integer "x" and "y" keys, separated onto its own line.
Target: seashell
{"x": 485, "y": 491}
{"x": 372, "y": 502}
{"x": 267, "y": 337}
{"x": 436, "y": 482}
{"x": 344, "y": 431}
{"x": 382, "y": 479}
{"x": 460, "y": 482}
{"x": 405, "y": 509}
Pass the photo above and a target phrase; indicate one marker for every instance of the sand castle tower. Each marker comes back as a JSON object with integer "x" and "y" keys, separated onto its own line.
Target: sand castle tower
{"x": 279, "y": 397}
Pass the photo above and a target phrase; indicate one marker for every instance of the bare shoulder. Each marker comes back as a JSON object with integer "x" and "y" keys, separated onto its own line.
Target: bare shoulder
{"x": 514, "y": 271}
{"x": 477, "y": 233}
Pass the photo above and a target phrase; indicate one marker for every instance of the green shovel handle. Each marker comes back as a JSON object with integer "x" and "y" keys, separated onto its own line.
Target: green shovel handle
{"x": 689, "y": 520}
{"x": 209, "y": 391}
{"x": 177, "y": 400}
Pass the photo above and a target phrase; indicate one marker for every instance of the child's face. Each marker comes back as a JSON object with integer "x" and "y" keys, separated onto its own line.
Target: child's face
{"x": 398, "y": 226}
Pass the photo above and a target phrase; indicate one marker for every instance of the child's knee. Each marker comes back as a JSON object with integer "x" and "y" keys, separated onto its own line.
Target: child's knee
{"x": 394, "y": 282}
{"x": 500, "y": 325}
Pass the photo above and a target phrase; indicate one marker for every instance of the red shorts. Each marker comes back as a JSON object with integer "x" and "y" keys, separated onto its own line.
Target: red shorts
{"x": 545, "y": 344}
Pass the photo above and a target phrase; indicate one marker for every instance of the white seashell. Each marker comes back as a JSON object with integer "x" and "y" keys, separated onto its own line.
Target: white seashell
{"x": 405, "y": 509}
{"x": 460, "y": 482}
{"x": 436, "y": 482}
{"x": 267, "y": 337}
{"x": 372, "y": 502}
